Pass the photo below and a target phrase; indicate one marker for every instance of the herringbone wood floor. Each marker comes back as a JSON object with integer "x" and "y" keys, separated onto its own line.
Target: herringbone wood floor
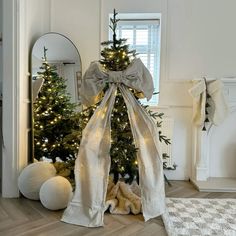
{"x": 25, "y": 217}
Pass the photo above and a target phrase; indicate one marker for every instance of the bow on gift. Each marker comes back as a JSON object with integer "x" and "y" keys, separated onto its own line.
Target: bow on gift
{"x": 93, "y": 162}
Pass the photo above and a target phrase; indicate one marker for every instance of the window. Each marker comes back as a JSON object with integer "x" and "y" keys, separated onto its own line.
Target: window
{"x": 142, "y": 32}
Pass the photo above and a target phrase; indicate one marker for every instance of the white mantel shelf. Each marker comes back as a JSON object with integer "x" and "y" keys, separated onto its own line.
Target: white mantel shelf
{"x": 216, "y": 185}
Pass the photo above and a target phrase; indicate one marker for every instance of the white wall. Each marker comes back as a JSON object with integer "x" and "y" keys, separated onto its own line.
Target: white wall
{"x": 200, "y": 42}
{"x": 79, "y": 20}
{"x": 201, "y": 38}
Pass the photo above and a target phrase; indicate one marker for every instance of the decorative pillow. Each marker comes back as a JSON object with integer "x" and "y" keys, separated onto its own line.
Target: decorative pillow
{"x": 33, "y": 176}
{"x": 56, "y": 193}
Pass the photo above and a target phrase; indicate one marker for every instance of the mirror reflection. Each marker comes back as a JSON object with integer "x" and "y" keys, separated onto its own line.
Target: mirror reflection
{"x": 56, "y": 76}
{"x": 62, "y": 54}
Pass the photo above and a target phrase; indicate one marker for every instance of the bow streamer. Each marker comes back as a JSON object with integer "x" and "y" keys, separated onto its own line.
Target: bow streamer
{"x": 92, "y": 165}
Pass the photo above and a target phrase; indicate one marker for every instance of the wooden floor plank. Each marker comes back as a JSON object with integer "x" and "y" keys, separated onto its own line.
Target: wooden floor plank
{"x": 23, "y": 217}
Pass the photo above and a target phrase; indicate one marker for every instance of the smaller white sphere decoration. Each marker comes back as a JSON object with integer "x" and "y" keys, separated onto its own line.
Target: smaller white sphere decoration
{"x": 33, "y": 176}
{"x": 56, "y": 193}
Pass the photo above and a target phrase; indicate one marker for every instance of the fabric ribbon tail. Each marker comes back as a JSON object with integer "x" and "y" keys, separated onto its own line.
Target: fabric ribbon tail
{"x": 92, "y": 168}
{"x": 149, "y": 157}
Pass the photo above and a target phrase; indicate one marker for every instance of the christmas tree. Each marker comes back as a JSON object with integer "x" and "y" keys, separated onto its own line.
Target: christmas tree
{"x": 57, "y": 127}
{"x": 116, "y": 56}
{"x": 61, "y": 137}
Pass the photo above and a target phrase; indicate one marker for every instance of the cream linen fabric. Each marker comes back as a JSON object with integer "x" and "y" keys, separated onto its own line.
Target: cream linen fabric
{"x": 136, "y": 76}
{"x": 93, "y": 162}
{"x": 198, "y": 93}
{"x": 218, "y": 109}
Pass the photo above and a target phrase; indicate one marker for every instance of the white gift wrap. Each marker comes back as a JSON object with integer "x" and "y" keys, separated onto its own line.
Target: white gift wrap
{"x": 93, "y": 162}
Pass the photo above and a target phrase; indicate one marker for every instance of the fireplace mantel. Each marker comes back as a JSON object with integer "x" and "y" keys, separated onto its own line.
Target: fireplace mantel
{"x": 202, "y": 160}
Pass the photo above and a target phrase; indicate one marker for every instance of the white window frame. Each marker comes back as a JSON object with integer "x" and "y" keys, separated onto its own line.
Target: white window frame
{"x": 144, "y": 18}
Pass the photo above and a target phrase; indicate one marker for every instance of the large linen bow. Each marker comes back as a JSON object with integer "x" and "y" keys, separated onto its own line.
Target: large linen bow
{"x": 93, "y": 162}
{"x": 136, "y": 76}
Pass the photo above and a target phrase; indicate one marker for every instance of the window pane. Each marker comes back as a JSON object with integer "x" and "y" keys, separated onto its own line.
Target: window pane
{"x": 127, "y": 34}
{"x": 142, "y": 37}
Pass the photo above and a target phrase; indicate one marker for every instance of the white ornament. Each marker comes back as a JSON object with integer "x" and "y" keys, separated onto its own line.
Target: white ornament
{"x": 56, "y": 193}
{"x": 33, "y": 176}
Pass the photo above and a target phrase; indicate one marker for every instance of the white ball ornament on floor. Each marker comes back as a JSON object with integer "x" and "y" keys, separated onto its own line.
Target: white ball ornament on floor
{"x": 56, "y": 193}
{"x": 33, "y": 176}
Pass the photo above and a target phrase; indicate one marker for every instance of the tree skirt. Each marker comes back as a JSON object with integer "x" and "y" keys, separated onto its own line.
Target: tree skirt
{"x": 123, "y": 198}
{"x": 194, "y": 216}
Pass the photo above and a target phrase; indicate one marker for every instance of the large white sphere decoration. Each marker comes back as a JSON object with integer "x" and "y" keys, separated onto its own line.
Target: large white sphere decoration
{"x": 56, "y": 193}
{"x": 33, "y": 176}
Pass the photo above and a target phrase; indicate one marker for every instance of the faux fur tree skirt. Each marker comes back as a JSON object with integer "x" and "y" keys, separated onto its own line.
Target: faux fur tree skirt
{"x": 123, "y": 198}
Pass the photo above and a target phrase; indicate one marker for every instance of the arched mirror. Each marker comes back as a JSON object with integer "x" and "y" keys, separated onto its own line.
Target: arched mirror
{"x": 55, "y": 83}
